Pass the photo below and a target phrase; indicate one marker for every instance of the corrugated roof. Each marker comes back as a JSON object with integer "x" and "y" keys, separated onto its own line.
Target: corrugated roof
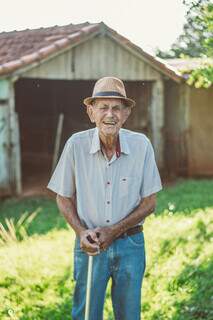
{"x": 22, "y": 48}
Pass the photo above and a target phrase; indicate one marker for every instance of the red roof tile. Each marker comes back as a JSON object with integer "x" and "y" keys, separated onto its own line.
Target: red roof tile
{"x": 18, "y": 48}
{"x": 21, "y": 48}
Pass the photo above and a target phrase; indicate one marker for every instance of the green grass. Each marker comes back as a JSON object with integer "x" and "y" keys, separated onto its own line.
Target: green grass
{"x": 36, "y": 275}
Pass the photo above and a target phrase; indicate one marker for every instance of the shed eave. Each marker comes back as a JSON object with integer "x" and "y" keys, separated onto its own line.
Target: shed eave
{"x": 29, "y": 62}
{"x": 152, "y": 61}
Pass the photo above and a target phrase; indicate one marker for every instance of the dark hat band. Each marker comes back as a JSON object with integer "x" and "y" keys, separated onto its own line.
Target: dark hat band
{"x": 108, "y": 94}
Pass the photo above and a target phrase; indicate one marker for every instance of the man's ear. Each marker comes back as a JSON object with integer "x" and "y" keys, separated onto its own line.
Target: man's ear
{"x": 90, "y": 113}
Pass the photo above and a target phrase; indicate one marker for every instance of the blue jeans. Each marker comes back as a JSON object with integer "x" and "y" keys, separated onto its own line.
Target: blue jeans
{"x": 124, "y": 262}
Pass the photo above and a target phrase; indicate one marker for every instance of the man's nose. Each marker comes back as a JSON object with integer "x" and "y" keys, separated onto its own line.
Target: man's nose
{"x": 110, "y": 112}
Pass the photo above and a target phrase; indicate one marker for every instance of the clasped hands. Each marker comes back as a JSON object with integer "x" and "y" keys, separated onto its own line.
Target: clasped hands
{"x": 93, "y": 241}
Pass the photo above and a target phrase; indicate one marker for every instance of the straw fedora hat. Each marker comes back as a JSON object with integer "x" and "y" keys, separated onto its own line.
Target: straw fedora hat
{"x": 109, "y": 87}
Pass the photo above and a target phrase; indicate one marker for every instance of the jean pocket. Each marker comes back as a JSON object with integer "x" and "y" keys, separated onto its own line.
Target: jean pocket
{"x": 137, "y": 239}
{"x": 77, "y": 247}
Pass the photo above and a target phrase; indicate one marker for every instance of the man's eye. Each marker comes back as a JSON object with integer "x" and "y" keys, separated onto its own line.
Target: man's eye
{"x": 117, "y": 108}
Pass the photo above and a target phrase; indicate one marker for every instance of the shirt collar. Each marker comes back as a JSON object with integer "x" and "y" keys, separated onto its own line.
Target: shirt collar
{"x": 96, "y": 146}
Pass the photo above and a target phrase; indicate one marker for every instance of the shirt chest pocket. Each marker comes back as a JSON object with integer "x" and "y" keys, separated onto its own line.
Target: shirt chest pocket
{"x": 127, "y": 185}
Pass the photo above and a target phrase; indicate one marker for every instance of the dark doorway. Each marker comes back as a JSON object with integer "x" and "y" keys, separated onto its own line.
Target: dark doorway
{"x": 140, "y": 119}
{"x": 39, "y": 103}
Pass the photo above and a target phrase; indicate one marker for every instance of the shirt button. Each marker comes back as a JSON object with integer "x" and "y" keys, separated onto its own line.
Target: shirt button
{"x": 108, "y": 202}
{"x": 107, "y": 221}
{"x": 108, "y": 182}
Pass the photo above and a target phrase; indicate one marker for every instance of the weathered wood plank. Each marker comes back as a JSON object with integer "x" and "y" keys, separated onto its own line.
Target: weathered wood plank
{"x": 4, "y": 146}
{"x": 4, "y": 89}
{"x": 157, "y": 121}
{"x": 93, "y": 59}
{"x": 15, "y": 153}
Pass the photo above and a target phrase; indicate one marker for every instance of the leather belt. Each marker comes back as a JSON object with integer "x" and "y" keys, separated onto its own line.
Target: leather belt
{"x": 131, "y": 231}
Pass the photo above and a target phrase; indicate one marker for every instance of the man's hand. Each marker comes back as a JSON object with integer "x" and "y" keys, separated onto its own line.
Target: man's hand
{"x": 89, "y": 242}
{"x": 109, "y": 234}
{"x": 106, "y": 236}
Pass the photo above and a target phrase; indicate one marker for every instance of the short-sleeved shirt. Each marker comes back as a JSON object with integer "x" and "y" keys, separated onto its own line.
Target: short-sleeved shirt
{"x": 106, "y": 191}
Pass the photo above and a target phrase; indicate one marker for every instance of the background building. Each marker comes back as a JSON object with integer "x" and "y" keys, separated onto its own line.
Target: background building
{"x": 45, "y": 74}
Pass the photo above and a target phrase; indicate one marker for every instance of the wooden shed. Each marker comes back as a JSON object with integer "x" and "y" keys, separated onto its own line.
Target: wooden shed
{"x": 188, "y": 124}
{"x": 46, "y": 72}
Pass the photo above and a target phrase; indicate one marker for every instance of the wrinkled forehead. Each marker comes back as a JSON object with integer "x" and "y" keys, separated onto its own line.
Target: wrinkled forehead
{"x": 107, "y": 102}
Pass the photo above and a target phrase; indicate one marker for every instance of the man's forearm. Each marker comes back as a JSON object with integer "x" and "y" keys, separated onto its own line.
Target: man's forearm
{"x": 146, "y": 207}
{"x": 68, "y": 209}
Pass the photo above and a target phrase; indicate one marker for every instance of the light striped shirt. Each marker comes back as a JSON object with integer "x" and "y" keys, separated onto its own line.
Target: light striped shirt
{"x": 106, "y": 190}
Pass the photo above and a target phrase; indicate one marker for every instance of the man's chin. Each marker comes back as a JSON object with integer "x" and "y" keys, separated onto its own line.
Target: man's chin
{"x": 110, "y": 133}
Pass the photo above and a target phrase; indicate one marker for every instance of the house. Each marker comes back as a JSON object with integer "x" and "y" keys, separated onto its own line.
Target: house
{"x": 45, "y": 74}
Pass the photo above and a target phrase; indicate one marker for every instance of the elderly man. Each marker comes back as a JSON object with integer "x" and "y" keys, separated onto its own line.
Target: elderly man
{"x": 106, "y": 182}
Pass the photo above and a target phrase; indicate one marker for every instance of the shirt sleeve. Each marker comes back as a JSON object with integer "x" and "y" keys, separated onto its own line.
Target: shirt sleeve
{"x": 62, "y": 181}
{"x": 151, "y": 182}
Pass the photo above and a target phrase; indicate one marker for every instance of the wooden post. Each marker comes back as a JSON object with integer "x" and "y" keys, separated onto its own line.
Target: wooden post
{"x": 4, "y": 154}
{"x": 15, "y": 150}
{"x": 58, "y": 140}
{"x": 157, "y": 121}
{"x": 184, "y": 107}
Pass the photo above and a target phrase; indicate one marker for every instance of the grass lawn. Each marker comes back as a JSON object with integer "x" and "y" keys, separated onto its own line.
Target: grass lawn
{"x": 36, "y": 274}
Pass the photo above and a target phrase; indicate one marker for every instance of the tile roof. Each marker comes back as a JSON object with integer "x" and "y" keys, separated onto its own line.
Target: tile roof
{"x": 22, "y": 48}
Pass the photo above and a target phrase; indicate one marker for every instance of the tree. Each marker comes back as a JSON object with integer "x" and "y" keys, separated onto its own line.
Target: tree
{"x": 196, "y": 41}
{"x": 195, "y": 32}
{"x": 203, "y": 76}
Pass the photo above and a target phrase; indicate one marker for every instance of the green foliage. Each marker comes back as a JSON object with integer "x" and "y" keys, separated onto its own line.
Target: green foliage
{"x": 12, "y": 231}
{"x": 47, "y": 219}
{"x": 208, "y": 20}
{"x": 36, "y": 275}
{"x": 201, "y": 77}
{"x": 196, "y": 39}
{"x": 185, "y": 197}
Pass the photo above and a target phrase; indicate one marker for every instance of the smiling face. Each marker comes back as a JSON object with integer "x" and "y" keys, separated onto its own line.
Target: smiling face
{"x": 109, "y": 115}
